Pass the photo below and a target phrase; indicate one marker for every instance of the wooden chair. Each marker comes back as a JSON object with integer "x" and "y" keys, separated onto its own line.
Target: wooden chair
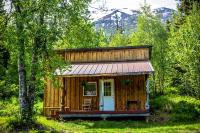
{"x": 87, "y": 104}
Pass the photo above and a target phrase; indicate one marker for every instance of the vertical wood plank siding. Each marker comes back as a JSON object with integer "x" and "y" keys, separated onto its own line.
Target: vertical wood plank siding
{"x": 107, "y": 55}
{"x": 52, "y": 97}
{"x": 136, "y": 91}
{"x": 74, "y": 97}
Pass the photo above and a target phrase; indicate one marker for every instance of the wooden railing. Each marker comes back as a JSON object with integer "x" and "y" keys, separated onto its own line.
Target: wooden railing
{"x": 53, "y": 110}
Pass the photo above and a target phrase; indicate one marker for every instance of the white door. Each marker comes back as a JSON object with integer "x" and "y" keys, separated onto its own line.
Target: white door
{"x": 107, "y": 102}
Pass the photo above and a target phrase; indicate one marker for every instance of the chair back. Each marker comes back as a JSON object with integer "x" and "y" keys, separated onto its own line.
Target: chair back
{"x": 87, "y": 101}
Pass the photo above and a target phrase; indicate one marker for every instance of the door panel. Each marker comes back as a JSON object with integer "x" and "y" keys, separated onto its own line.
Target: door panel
{"x": 107, "y": 95}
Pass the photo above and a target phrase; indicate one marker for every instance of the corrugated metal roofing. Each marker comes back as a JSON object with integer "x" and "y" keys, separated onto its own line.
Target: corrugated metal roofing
{"x": 108, "y": 69}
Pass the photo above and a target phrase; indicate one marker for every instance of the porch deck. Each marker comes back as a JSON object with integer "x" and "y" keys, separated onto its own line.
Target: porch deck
{"x": 102, "y": 114}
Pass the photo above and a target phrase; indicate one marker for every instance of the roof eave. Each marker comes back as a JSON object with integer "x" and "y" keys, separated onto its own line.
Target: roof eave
{"x": 102, "y": 48}
{"x": 109, "y": 74}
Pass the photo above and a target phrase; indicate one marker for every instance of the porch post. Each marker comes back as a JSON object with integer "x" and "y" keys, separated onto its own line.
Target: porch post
{"x": 63, "y": 93}
{"x": 147, "y": 94}
{"x": 102, "y": 93}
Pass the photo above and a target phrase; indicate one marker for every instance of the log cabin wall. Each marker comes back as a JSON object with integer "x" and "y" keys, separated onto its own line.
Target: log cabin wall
{"x": 136, "y": 91}
{"x": 106, "y": 54}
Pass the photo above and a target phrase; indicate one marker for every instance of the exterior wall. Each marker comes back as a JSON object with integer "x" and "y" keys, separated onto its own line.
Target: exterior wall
{"x": 136, "y": 91}
{"x": 133, "y": 92}
{"x": 106, "y": 55}
{"x": 52, "y": 97}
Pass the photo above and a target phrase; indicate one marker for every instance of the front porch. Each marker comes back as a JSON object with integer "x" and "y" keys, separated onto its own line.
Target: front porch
{"x": 111, "y": 98}
{"x": 101, "y": 114}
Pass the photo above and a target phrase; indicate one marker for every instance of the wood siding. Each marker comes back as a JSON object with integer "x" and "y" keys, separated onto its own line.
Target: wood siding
{"x": 136, "y": 91}
{"x": 106, "y": 55}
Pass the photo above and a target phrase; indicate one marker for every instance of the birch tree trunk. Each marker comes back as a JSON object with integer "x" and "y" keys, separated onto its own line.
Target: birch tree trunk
{"x": 23, "y": 98}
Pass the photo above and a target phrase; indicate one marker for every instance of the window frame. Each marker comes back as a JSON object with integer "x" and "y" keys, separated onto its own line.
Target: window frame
{"x": 110, "y": 91}
{"x": 95, "y": 89}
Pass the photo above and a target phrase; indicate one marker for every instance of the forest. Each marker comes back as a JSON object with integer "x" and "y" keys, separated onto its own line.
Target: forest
{"x": 30, "y": 31}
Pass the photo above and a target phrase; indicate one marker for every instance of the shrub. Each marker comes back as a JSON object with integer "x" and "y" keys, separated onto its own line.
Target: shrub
{"x": 9, "y": 107}
{"x": 7, "y": 90}
{"x": 180, "y": 108}
{"x": 38, "y": 107}
{"x": 161, "y": 103}
{"x": 186, "y": 110}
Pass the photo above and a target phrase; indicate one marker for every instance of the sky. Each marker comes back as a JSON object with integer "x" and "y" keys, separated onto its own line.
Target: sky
{"x": 128, "y": 4}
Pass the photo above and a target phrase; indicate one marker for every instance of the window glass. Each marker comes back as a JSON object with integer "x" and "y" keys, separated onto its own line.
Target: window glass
{"x": 107, "y": 88}
{"x": 90, "y": 89}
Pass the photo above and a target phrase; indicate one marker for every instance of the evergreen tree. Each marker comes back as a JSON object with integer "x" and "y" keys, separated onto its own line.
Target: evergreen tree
{"x": 187, "y": 5}
{"x": 4, "y": 54}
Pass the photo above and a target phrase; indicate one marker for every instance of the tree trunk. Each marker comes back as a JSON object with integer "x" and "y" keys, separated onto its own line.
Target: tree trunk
{"x": 23, "y": 99}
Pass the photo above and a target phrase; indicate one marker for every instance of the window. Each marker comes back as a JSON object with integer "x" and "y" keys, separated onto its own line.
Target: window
{"x": 107, "y": 88}
{"x": 90, "y": 89}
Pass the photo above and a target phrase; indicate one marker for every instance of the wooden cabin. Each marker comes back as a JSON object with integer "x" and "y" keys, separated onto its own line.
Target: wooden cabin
{"x": 101, "y": 82}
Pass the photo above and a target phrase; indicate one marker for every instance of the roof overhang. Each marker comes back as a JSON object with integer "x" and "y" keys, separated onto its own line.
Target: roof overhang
{"x": 103, "y": 48}
{"x": 107, "y": 69}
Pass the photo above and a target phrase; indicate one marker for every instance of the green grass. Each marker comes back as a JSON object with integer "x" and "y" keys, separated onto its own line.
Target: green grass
{"x": 128, "y": 126}
{"x": 119, "y": 126}
{"x": 172, "y": 114}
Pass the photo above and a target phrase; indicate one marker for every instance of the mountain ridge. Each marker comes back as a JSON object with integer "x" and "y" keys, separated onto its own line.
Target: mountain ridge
{"x": 125, "y": 20}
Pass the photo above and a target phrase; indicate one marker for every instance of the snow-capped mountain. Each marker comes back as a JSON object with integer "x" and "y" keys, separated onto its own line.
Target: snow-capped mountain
{"x": 164, "y": 13}
{"x": 125, "y": 20}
